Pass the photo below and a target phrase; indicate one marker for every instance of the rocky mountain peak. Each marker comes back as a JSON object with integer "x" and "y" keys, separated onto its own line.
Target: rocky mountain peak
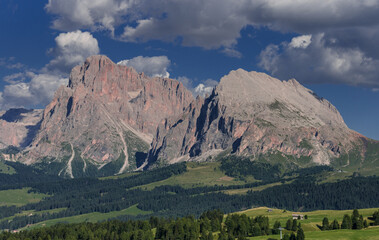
{"x": 103, "y": 77}
{"x": 253, "y": 90}
{"x": 251, "y": 113}
{"x": 105, "y": 118}
{"x": 110, "y": 117}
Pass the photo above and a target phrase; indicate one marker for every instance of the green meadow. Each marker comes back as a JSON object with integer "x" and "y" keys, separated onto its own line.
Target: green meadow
{"x": 198, "y": 175}
{"x": 371, "y": 233}
{"x": 19, "y": 197}
{"x": 315, "y": 218}
{"x": 90, "y": 217}
{"x": 4, "y": 168}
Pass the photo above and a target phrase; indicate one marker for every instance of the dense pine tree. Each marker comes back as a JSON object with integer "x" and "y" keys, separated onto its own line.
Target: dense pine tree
{"x": 300, "y": 234}
{"x": 286, "y": 236}
{"x": 294, "y": 225}
{"x": 293, "y": 236}
{"x": 289, "y": 225}
{"x": 356, "y": 220}
{"x": 346, "y": 222}
{"x": 275, "y": 229}
{"x": 375, "y": 218}
{"x": 335, "y": 225}
{"x": 325, "y": 224}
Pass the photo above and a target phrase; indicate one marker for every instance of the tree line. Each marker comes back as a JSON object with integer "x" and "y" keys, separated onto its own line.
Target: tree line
{"x": 207, "y": 227}
{"x": 354, "y": 221}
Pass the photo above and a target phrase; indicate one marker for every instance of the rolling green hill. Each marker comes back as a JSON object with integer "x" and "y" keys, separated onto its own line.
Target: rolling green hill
{"x": 19, "y": 197}
{"x": 315, "y": 218}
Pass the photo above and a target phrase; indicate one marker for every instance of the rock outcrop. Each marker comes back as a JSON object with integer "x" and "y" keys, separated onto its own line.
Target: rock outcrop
{"x": 110, "y": 117}
{"x": 18, "y": 126}
{"x": 106, "y": 116}
{"x": 253, "y": 114}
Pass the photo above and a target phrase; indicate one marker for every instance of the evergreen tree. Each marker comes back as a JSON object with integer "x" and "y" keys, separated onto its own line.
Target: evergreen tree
{"x": 275, "y": 229}
{"x": 335, "y": 225}
{"x": 222, "y": 235}
{"x": 153, "y": 221}
{"x": 346, "y": 222}
{"x": 355, "y": 213}
{"x": 294, "y": 225}
{"x": 325, "y": 224}
{"x": 231, "y": 237}
{"x": 289, "y": 225}
{"x": 263, "y": 224}
{"x": 205, "y": 225}
{"x": 375, "y": 218}
{"x": 300, "y": 234}
{"x": 256, "y": 230}
{"x": 293, "y": 236}
{"x": 356, "y": 220}
{"x": 357, "y": 223}
{"x": 360, "y": 222}
{"x": 215, "y": 217}
{"x": 286, "y": 236}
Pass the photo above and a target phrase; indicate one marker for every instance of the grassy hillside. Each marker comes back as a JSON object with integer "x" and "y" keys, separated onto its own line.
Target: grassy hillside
{"x": 186, "y": 189}
{"x": 91, "y": 217}
{"x": 362, "y": 159}
{"x": 314, "y": 217}
{"x": 198, "y": 175}
{"x": 371, "y": 233}
{"x": 309, "y": 225}
{"x": 19, "y": 197}
{"x": 6, "y": 169}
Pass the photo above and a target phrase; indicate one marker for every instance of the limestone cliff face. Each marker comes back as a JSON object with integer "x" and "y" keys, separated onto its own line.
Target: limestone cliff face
{"x": 107, "y": 113}
{"x": 253, "y": 114}
{"x": 18, "y": 126}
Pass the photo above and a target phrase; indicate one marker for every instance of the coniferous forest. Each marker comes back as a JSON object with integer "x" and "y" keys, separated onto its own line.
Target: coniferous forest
{"x": 87, "y": 195}
{"x": 207, "y": 226}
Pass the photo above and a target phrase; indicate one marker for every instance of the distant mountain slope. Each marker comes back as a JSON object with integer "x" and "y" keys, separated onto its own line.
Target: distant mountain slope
{"x": 104, "y": 120}
{"x": 18, "y": 126}
{"x": 253, "y": 114}
{"x": 110, "y": 117}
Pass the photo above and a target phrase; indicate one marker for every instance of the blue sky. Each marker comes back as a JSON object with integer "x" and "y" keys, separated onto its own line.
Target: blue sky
{"x": 329, "y": 46}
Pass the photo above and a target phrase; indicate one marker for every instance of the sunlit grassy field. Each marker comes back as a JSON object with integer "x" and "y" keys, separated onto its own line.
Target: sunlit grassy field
{"x": 19, "y": 197}
{"x": 371, "y": 233}
{"x": 91, "y": 217}
{"x": 314, "y": 217}
{"x": 197, "y": 175}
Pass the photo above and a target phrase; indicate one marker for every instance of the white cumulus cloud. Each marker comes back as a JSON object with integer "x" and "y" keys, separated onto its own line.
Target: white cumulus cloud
{"x": 38, "y": 91}
{"x": 88, "y": 14}
{"x": 321, "y": 61}
{"x": 209, "y": 24}
{"x": 348, "y": 26}
{"x": 30, "y": 89}
{"x": 201, "y": 89}
{"x": 72, "y": 48}
{"x": 151, "y": 66}
{"x": 301, "y": 41}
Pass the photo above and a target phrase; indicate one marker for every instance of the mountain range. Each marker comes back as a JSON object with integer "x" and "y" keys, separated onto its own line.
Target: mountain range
{"x": 110, "y": 119}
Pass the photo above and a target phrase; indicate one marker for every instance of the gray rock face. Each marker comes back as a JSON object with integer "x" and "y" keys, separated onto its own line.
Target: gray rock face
{"x": 107, "y": 113}
{"x": 109, "y": 116}
{"x": 253, "y": 114}
{"x": 18, "y": 126}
